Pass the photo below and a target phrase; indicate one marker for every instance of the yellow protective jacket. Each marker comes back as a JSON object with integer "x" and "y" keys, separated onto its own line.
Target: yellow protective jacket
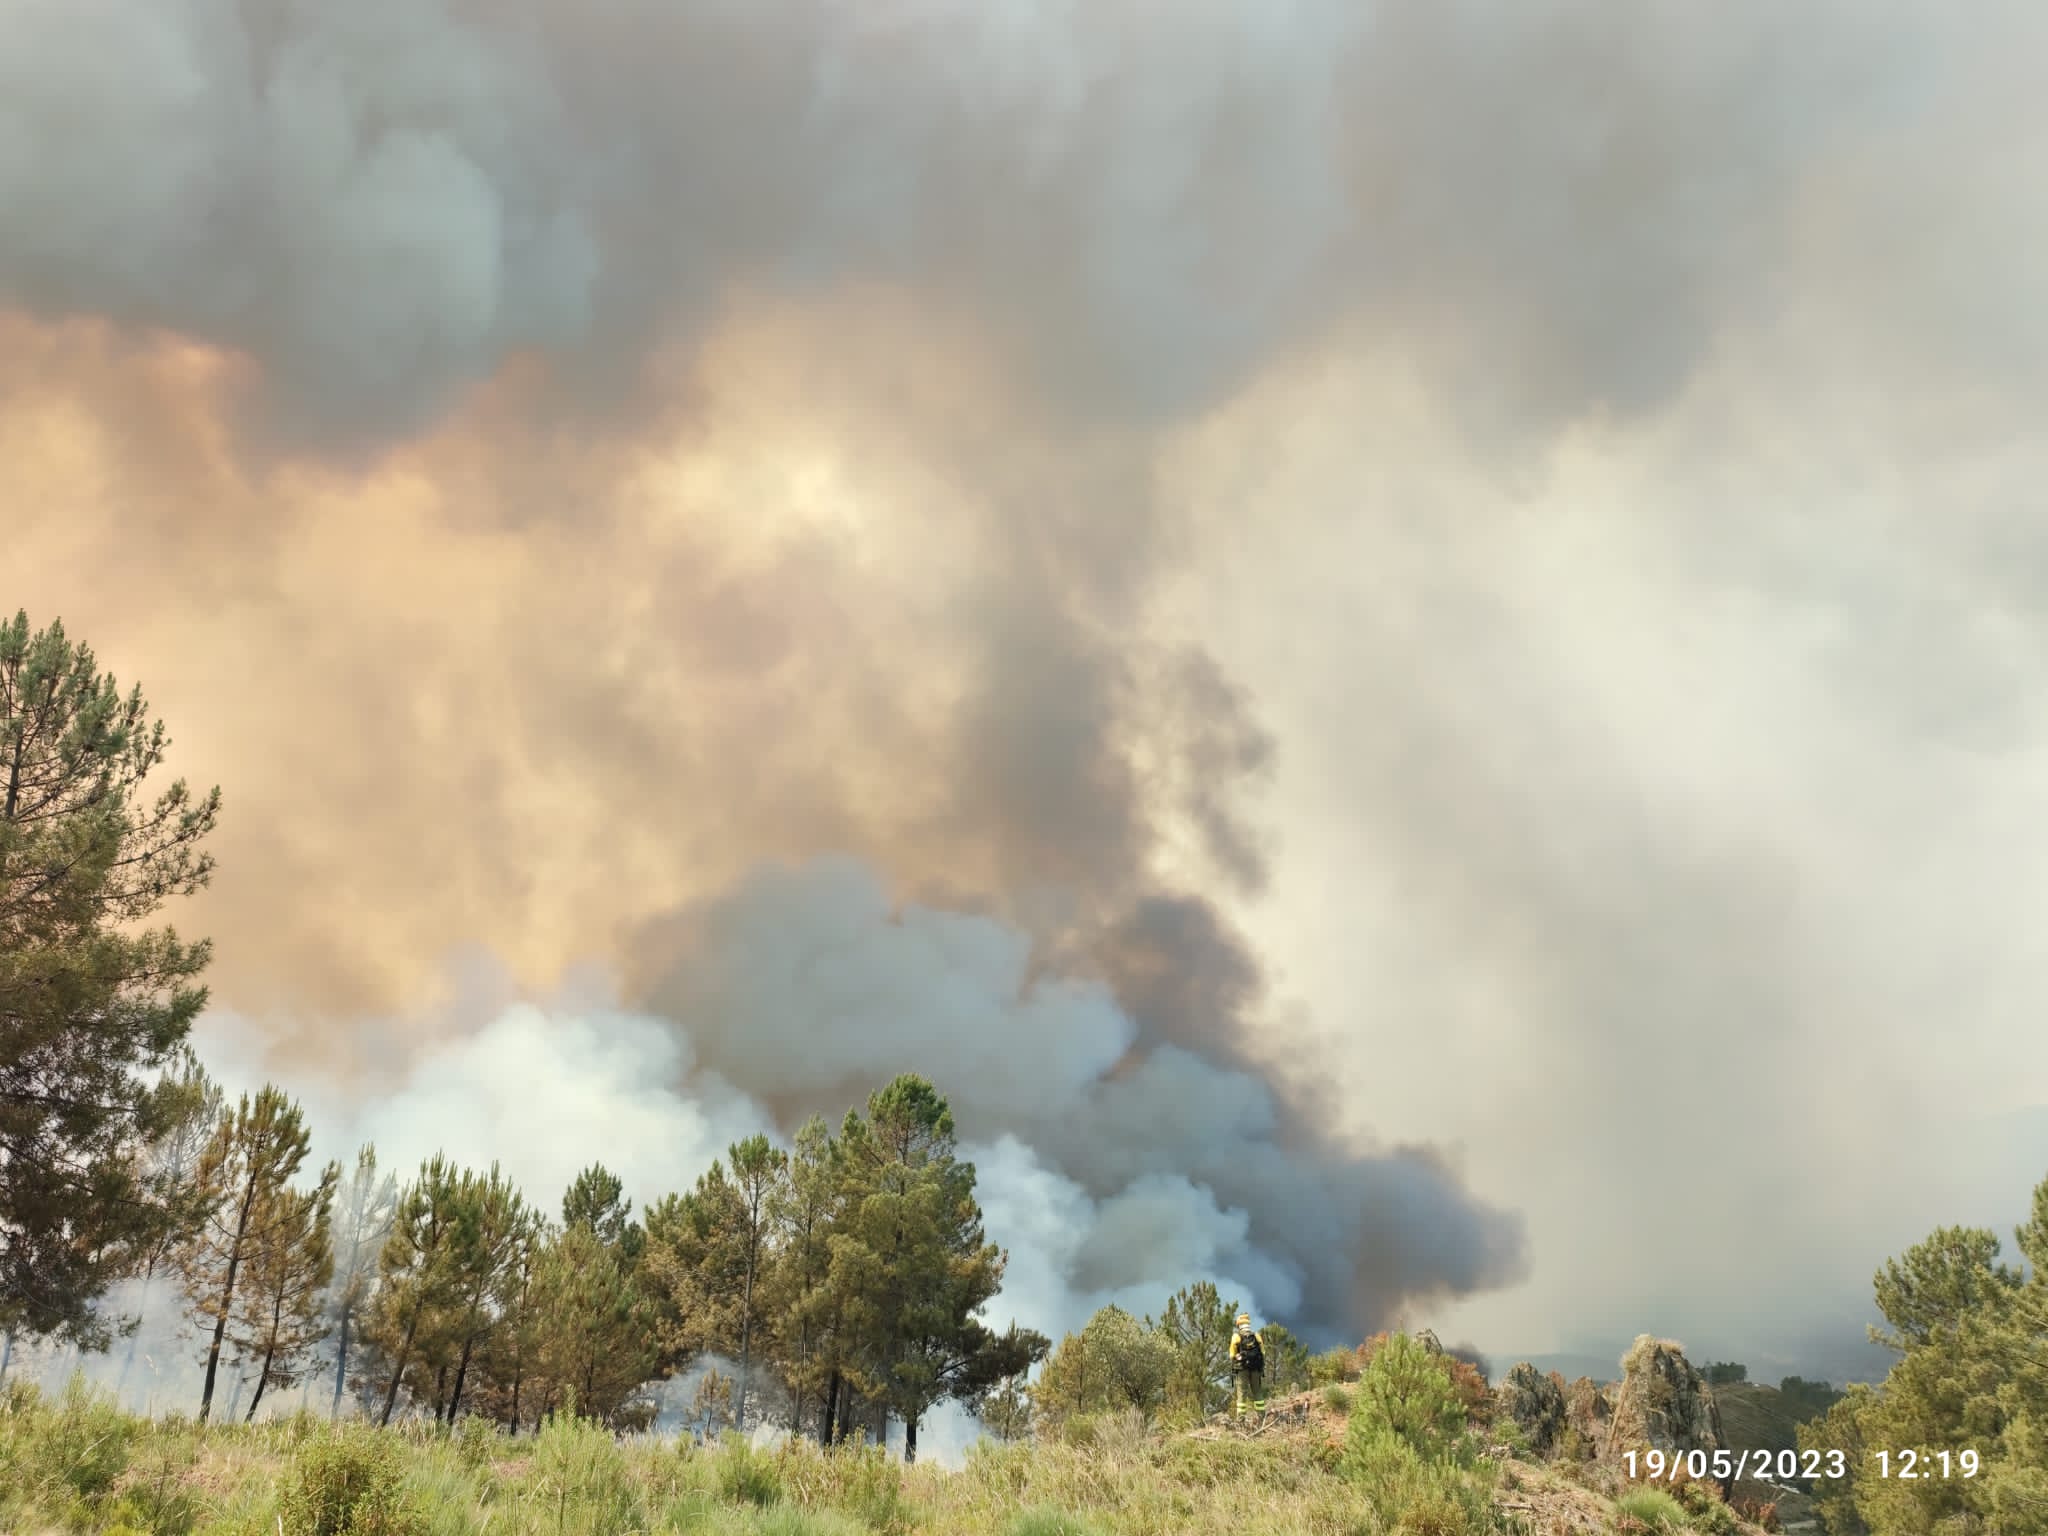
{"x": 1237, "y": 1338}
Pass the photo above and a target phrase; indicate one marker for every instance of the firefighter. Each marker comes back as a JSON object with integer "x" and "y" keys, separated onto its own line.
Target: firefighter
{"x": 1248, "y": 1363}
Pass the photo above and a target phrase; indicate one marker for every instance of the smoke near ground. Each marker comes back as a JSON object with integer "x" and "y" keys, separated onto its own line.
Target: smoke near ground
{"x": 1109, "y": 1171}
{"x": 1437, "y": 558}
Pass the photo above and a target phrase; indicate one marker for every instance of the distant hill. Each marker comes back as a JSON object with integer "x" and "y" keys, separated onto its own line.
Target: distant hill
{"x": 1757, "y": 1417}
{"x": 1841, "y": 1356}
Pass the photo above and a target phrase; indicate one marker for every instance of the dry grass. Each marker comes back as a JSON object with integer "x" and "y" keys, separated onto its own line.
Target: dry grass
{"x": 1285, "y": 1477}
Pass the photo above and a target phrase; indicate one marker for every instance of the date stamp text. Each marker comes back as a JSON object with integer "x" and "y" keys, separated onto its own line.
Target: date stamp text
{"x": 1801, "y": 1466}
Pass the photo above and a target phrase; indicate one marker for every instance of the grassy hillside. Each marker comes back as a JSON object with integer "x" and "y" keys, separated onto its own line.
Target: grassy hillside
{"x": 1757, "y": 1417}
{"x": 78, "y": 1465}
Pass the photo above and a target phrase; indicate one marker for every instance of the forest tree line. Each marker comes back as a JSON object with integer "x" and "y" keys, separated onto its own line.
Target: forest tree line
{"x": 844, "y": 1276}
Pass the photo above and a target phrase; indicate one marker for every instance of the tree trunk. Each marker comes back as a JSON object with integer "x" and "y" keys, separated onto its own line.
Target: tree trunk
{"x": 6, "y": 1354}
{"x": 398, "y": 1369}
{"x": 828, "y": 1417}
{"x": 128, "y": 1360}
{"x": 910, "y": 1440}
{"x": 518, "y": 1370}
{"x": 341, "y": 1364}
{"x": 462, "y": 1370}
{"x": 739, "y": 1409}
{"x": 227, "y": 1296}
{"x": 262, "y": 1381}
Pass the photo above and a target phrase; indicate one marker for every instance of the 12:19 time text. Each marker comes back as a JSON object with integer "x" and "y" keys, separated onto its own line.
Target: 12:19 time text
{"x": 1787, "y": 1465}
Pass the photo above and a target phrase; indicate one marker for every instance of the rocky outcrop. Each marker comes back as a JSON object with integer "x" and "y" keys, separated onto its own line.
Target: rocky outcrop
{"x": 1662, "y": 1403}
{"x": 1587, "y": 1412}
{"x": 1536, "y": 1403}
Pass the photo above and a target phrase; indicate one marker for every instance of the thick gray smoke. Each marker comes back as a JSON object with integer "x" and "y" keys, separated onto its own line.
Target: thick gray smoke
{"x": 804, "y": 986}
{"x": 1496, "y": 371}
{"x": 381, "y": 202}
{"x": 1110, "y": 1169}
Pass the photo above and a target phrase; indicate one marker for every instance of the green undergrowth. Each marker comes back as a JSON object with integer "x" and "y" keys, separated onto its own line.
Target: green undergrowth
{"x": 75, "y": 1464}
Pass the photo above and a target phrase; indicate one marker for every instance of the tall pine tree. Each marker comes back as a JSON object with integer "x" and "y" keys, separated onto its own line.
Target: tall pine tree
{"x": 493, "y": 1224}
{"x": 416, "y": 1274}
{"x": 252, "y": 1158}
{"x": 279, "y": 1318}
{"x": 92, "y": 1003}
{"x": 913, "y": 1259}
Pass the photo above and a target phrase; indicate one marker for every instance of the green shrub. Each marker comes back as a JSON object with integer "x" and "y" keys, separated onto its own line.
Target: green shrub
{"x": 157, "y": 1502}
{"x": 1401, "y": 1484}
{"x": 1337, "y": 1398}
{"x": 578, "y": 1466}
{"x": 871, "y": 1487}
{"x": 1652, "y": 1507}
{"x": 1047, "y": 1521}
{"x": 1705, "y": 1511}
{"x": 1436, "y": 1513}
{"x": 1078, "y": 1431}
{"x": 1409, "y": 1391}
{"x": 477, "y": 1441}
{"x": 349, "y": 1482}
{"x": 744, "y": 1474}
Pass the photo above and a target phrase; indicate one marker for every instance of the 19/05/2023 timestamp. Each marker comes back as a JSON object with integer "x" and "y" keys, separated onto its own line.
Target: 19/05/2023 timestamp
{"x": 1809, "y": 1466}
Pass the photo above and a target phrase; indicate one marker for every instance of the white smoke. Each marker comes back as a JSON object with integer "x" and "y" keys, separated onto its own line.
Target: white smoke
{"x": 846, "y": 997}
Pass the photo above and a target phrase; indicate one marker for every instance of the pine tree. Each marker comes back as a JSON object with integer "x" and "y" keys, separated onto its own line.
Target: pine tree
{"x": 1198, "y": 1323}
{"x": 1938, "y": 1283}
{"x": 758, "y": 1170}
{"x": 695, "y": 1265}
{"x": 191, "y": 1104}
{"x": 365, "y": 1209}
{"x": 251, "y": 1158}
{"x": 1972, "y": 1376}
{"x": 914, "y": 1263}
{"x": 512, "y": 1353}
{"x": 711, "y": 1407}
{"x": 91, "y": 1004}
{"x": 279, "y": 1317}
{"x": 415, "y": 1272}
{"x": 801, "y": 1303}
{"x": 1007, "y": 1414}
{"x": 595, "y": 1326}
{"x": 1287, "y": 1359}
{"x": 488, "y": 1238}
{"x": 597, "y": 1200}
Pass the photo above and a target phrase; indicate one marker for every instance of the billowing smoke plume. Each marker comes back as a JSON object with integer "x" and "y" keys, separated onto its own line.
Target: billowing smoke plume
{"x": 1111, "y": 1170}
{"x": 1444, "y": 489}
{"x": 381, "y": 203}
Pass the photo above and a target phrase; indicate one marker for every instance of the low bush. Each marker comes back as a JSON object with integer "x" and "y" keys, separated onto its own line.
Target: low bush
{"x": 1652, "y": 1508}
{"x": 745, "y": 1474}
{"x": 349, "y": 1482}
{"x": 578, "y": 1465}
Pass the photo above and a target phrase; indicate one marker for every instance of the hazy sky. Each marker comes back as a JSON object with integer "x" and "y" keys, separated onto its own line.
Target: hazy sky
{"x": 1437, "y": 608}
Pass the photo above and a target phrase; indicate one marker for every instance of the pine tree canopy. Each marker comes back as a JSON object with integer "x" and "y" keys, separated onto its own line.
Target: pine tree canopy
{"x": 93, "y": 1004}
